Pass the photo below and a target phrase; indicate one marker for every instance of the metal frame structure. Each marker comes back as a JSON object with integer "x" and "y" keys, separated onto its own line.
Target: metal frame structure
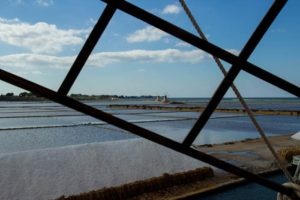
{"x": 239, "y": 63}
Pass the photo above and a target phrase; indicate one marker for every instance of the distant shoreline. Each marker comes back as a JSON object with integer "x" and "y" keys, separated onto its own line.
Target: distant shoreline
{"x": 77, "y": 97}
{"x": 199, "y": 109}
{"x": 24, "y": 96}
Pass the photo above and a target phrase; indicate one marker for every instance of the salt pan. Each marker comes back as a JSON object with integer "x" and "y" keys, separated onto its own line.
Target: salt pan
{"x": 50, "y": 173}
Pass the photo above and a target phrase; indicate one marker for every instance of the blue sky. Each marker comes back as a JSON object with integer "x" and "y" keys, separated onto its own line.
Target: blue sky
{"x": 39, "y": 40}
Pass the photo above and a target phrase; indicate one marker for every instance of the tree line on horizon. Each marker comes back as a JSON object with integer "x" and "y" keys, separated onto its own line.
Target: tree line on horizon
{"x": 79, "y": 96}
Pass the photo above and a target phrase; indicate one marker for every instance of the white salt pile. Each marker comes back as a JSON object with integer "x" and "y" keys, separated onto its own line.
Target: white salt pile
{"x": 296, "y": 136}
{"x": 50, "y": 173}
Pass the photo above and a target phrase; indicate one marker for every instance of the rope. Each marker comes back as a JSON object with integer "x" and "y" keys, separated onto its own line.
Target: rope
{"x": 293, "y": 186}
{"x": 281, "y": 163}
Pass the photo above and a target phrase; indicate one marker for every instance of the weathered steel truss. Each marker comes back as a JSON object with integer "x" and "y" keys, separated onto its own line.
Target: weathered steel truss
{"x": 239, "y": 63}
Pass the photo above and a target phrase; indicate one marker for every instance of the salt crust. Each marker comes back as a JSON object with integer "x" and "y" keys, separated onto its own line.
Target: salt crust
{"x": 50, "y": 173}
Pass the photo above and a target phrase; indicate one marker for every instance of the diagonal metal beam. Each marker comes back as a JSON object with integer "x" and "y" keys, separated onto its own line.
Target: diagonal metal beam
{"x": 152, "y": 136}
{"x": 204, "y": 45}
{"x": 282, "y": 165}
{"x": 234, "y": 70}
{"x": 271, "y": 78}
{"x": 60, "y": 97}
{"x": 87, "y": 49}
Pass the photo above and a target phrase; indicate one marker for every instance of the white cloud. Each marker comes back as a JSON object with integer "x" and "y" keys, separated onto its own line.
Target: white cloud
{"x": 16, "y": 2}
{"x": 92, "y": 21}
{"x": 166, "y": 55}
{"x": 233, "y": 51}
{"x": 171, "y": 9}
{"x": 182, "y": 44}
{"x": 35, "y": 61}
{"x": 147, "y": 34}
{"x": 101, "y": 59}
{"x": 40, "y": 37}
{"x": 45, "y": 3}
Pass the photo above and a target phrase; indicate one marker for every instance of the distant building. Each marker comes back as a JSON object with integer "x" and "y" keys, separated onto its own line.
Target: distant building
{"x": 158, "y": 98}
{"x": 165, "y": 99}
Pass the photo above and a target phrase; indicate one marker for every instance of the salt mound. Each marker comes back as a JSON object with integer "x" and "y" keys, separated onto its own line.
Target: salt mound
{"x": 296, "y": 136}
{"x": 50, "y": 173}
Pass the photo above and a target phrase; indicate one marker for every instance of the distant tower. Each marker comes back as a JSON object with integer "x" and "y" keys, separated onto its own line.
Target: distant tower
{"x": 157, "y": 98}
{"x": 165, "y": 99}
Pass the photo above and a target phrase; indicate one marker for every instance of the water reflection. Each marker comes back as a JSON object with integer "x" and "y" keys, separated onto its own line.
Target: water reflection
{"x": 47, "y": 125}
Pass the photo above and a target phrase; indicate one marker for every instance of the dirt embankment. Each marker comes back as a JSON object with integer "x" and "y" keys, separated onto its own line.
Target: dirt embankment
{"x": 200, "y": 109}
{"x": 250, "y": 154}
